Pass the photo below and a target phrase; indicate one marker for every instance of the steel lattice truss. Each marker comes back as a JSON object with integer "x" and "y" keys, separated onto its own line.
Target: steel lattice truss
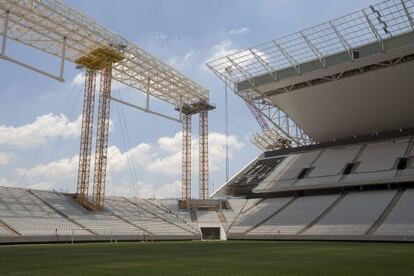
{"x": 186, "y": 157}
{"x": 371, "y": 25}
{"x": 367, "y": 26}
{"x": 86, "y": 137}
{"x": 203, "y": 155}
{"x": 54, "y": 28}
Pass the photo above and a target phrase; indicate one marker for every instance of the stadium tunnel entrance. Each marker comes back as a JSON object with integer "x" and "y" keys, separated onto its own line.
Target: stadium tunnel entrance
{"x": 211, "y": 233}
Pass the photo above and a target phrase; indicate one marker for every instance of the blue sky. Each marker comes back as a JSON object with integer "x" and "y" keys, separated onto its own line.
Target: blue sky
{"x": 39, "y": 117}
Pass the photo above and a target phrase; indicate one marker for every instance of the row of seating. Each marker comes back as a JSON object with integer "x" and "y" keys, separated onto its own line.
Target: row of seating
{"x": 26, "y": 214}
{"x": 368, "y": 163}
{"x": 44, "y": 213}
{"x": 352, "y": 213}
{"x": 358, "y": 213}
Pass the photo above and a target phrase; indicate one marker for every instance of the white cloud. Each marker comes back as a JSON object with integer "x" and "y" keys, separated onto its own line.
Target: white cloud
{"x": 4, "y": 182}
{"x": 37, "y": 132}
{"x": 57, "y": 169}
{"x": 222, "y": 49}
{"x": 183, "y": 62}
{"x": 118, "y": 161}
{"x": 238, "y": 31}
{"x": 217, "y": 148}
{"x": 166, "y": 165}
{"x": 170, "y": 164}
{"x": 67, "y": 167}
{"x": 158, "y": 167}
{"x": 4, "y": 159}
{"x": 168, "y": 190}
{"x": 243, "y": 58}
{"x": 146, "y": 190}
{"x": 170, "y": 144}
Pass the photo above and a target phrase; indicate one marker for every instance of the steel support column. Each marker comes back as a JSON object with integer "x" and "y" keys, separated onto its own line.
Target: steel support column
{"x": 102, "y": 137}
{"x": 86, "y": 137}
{"x": 203, "y": 158}
{"x": 186, "y": 157}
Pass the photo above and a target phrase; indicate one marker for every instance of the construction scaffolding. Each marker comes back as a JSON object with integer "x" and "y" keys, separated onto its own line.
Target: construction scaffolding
{"x": 202, "y": 108}
{"x": 102, "y": 137}
{"x": 52, "y": 27}
{"x": 203, "y": 158}
{"x": 186, "y": 157}
{"x": 100, "y": 59}
{"x": 86, "y": 137}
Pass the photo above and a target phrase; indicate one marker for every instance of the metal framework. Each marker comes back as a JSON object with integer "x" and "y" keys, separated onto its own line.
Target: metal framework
{"x": 186, "y": 157}
{"x": 86, "y": 137}
{"x": 57, "y": 29}
{"x": 270, "y": 140}
{"x": 372, "y": 25}
{"x": 102, "y": 138}
{"x": 202, "y": 108}
{"x": 203, "y": 158}
{"x": 341, "y": 75}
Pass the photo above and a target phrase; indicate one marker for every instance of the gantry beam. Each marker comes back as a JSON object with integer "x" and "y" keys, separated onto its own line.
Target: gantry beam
{"x": 186, "y": 157}
{"x": 53, "y": 27}
{"x": 86, "y": 137}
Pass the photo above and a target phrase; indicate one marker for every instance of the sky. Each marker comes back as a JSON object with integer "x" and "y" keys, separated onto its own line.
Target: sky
{"x": 40, "y": 118}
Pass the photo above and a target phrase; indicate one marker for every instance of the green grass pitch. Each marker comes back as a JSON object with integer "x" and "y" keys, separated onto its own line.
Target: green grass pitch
{"x": 209, "y": 258}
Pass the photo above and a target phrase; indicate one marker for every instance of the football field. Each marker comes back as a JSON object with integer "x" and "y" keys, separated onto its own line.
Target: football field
{"x": 209, "y": 258}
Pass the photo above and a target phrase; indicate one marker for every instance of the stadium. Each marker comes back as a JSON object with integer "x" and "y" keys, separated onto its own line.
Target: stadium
{"x": 330, "y": 193}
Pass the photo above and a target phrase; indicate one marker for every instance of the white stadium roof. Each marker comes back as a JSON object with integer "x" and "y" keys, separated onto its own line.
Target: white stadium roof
{"x": 346, "y": 77}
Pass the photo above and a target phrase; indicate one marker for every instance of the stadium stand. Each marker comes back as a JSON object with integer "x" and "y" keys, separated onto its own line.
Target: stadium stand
{"x": 207, "y": 216}
{"x": 333, "y": 161}
{"x": 296, "y": 216}
{"x": 348, "y": 176}
{"x": 354, "y": 214}
{"x": 237, "y": 206}
{"x": 258, "y": 213}
{"x": 34, "y": 215}
{"x": 26, "y": 214}
{"x": 372, "y": 163}
{"x": 400, "y": 221}
{"x": 243, "y": 183}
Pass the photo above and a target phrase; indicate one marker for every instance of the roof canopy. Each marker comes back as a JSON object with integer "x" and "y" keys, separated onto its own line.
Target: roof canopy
{"x": 345, "y": 77}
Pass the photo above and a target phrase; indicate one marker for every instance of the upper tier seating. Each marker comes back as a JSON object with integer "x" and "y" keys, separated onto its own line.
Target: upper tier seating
{"x": 373, "y": 163}
{"x": 400, "y": 222}
{"x": 332, "y": 161}
{"x": 381, "y": 156}
{"x": 354, "y": 215}
{"x": 231, "y": 214}
{"x": 249, "y": 178}
{"x": 296, "y": 216}
{"x": 257, "y": 214}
